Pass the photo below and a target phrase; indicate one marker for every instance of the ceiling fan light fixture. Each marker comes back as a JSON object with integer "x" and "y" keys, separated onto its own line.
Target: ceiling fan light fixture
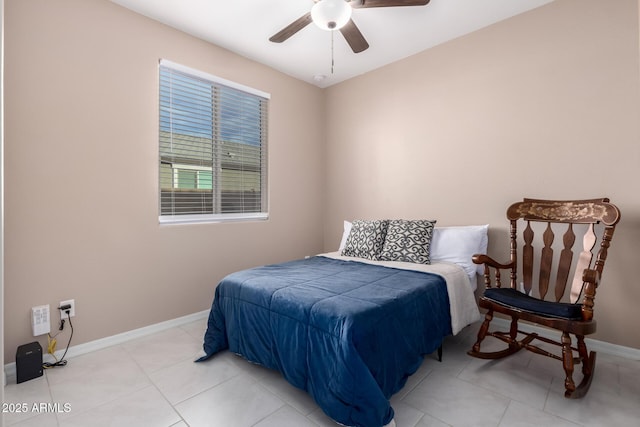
{"x": 331, "y": 14}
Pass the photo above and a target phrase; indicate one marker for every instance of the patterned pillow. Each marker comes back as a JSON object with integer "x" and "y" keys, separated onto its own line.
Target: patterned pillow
{"x": 408, "y": 240}
{"x": 366, "y": 239}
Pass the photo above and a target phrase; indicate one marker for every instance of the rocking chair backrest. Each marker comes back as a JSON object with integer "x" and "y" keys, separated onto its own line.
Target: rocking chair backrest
{"x": 568, "y": 214}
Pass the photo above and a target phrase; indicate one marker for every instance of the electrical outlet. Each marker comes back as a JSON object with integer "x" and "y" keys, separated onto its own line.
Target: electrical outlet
{"x": 72, "y": 310}
{"x": 40, "y": 320}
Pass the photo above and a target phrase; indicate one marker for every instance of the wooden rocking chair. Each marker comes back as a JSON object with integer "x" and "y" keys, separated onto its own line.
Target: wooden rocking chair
{"x": 570, "y": 314}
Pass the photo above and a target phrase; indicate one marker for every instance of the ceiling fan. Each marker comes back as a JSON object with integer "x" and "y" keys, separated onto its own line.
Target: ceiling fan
{"x": 336, "y": 15}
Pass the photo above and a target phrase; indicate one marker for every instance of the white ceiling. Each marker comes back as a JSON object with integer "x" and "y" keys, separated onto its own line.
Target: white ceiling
{"x": 393, "y": 33}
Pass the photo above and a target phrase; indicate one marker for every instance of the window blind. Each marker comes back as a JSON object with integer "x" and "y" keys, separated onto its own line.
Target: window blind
{"x": 213, "y": 148}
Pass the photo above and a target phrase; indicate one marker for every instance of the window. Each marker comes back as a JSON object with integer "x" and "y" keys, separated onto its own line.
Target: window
{"x": 213, "y": 146}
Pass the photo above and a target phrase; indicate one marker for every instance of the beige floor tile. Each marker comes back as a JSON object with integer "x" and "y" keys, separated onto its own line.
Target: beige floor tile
{"x": 520, "y": 415}
{"x": 604, "y": 405}
{"x": 145, "y": 407}
{"x": 163, "y": 349}
{"x": 286, "y": 417}
{"x": 457, "y": 402}
{"x": 196, "y": 329}
{"x": 185, "y": 379}
{"x": 506, "y": 377}
{"x": 429, "y": 421}
{"x": 41, "y": 420}
{"x": 20, "y": 398}
{"x": 107, "y": 362}
{"x": 91, "y": 384}
{"x": 239, "y": 402}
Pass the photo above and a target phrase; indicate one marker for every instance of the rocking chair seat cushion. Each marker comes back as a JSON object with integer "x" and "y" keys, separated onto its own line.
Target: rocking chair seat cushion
{"x": 516, "y": 299}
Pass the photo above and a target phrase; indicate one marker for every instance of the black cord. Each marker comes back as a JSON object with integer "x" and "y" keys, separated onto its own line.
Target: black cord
{"x": 61, "y": 362}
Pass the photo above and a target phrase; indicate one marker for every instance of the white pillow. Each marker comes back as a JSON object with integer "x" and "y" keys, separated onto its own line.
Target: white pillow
{"x": 458, "y": 244}
{"x": 345, "y": 235}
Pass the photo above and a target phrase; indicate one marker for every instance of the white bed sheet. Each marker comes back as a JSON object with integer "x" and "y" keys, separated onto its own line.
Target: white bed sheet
{"x": 462, "y": 301}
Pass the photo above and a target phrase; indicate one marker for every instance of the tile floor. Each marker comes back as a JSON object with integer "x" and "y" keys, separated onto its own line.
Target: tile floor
{"x": 152, "y": 381}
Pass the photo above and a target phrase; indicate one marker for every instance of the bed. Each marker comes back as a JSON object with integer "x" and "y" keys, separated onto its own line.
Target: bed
{"x": 347, "y": 329}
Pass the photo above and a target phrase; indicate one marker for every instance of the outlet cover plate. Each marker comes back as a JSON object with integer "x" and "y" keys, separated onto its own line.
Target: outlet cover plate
{"x": 40, "y": 320}
{"x": 72, "y": 311}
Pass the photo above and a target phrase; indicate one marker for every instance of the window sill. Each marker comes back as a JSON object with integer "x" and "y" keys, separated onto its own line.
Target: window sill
{"x": 211, "y": 219}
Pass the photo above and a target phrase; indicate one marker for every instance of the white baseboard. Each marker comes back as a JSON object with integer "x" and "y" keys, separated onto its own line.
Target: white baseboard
{"x": 595, "y": 345}
{"x": 99, "y": 344}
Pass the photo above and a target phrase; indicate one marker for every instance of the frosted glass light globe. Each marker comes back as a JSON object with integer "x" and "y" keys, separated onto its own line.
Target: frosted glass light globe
{"x": 331, "y": 14}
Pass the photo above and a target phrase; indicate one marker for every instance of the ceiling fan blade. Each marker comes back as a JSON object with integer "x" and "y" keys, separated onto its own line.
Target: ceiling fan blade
{"x": 354, "y": 37}
{"x": 292, "y": 28}
{"x": 356, "y": 4}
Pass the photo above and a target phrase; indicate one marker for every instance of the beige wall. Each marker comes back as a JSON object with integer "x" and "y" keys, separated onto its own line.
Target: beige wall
{"x": 82, "y": 181}
{"x": 545, "y": 105}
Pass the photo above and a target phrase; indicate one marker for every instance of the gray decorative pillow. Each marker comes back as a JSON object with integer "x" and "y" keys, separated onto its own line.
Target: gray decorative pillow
{"x": 366, "y": 239}
{"x": 408, "y": 240}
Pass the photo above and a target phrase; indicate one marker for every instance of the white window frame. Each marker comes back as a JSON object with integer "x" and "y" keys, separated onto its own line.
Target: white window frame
{"x": 216, "y": 217}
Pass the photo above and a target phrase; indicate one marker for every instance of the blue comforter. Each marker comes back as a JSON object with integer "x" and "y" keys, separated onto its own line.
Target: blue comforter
{"x": 348, "y": 333}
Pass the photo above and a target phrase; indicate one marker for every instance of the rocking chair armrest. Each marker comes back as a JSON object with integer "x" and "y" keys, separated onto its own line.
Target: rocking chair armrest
{"x": 591, "y": 276}
{"x": 488, "y": 261}
{"x": 591, "y": 279}
{"x": 488, "y": 264}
